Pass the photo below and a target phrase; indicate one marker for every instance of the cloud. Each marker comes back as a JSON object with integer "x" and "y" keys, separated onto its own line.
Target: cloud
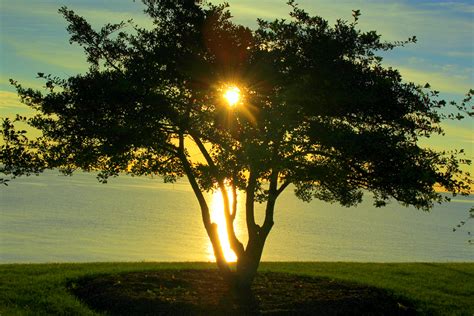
{"x": 100, "y": 15}
{"x": 458, "y": 135}
{"x": 9, "y": 100}
{"x": 37, "y": 9}
{"x": 5, "y": 83}
{"x": 441, "y": 80}
{"x": 35, "y": 31}
{"x": 453, "y": 6}
{"x": 463, "y": 134}
{"x": 98, "y": 18}
{"x": 10, "y": 105}
{"x": 55, "y": 53}
{"x": 258, "y": 10}
{"x": 461, "y": 54}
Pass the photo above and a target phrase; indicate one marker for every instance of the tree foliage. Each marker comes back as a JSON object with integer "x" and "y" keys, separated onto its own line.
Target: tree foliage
{"x": 459, "y": 226}
{"x": 318, "y": 111}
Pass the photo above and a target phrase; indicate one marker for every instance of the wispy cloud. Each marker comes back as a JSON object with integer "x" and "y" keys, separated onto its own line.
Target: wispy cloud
{"x": 457, "y": 135}
{"x": 30, "y": 83}
{"x": 10, "y": 105}
{"x": 453, "y": 6}
{"x": 463, "y": 133}
{"x": 241, "y": 10}
{"x": 9, "y": 100}
{"x": 442, "y": 80}
{"x": 35, "y": 31}
{"x": 97, "y": 17}
{"x": 54, "y": 53}
{"x": 461, "y": 54}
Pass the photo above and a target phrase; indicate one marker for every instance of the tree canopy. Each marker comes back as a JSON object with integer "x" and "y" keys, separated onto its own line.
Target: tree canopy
{"x": 318, "y": 110}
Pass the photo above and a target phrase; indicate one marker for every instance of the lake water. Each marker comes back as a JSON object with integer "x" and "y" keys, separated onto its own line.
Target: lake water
{"x": 53, "y": 218}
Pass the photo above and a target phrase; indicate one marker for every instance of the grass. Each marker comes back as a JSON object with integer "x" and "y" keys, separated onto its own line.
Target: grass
{"x": 434, "y": 288}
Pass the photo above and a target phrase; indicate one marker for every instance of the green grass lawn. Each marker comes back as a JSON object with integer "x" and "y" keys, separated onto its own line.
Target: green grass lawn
{"x": 434, "y": 288}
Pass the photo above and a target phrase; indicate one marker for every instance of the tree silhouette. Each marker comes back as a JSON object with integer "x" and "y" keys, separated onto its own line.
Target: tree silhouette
{"x": 318, "y": 111}
{"x": 460, "y": 225}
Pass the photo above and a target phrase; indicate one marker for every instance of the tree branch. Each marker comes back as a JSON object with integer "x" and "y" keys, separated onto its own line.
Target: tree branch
{"x": 234, "y": 201}
{"x": 283, "y": 187}
{"x": 234, "y": 242}
{"x": 211, "y": 228}
{"x": 252, "y": 228}
{"x": 195, "y": 186}
{"x": 272, "y": 196}
{"x": 107, "y": 59}
{"x": 272, "y": 193}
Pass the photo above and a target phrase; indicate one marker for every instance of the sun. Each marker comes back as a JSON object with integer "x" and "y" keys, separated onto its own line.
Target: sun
{"x": 232, "y": 95}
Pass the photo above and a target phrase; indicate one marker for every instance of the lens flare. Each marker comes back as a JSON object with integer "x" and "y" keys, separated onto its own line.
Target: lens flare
{"x": 232, "y": 95}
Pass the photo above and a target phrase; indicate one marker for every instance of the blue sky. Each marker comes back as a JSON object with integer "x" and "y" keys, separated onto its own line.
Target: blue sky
{"x": 34, "y": 39}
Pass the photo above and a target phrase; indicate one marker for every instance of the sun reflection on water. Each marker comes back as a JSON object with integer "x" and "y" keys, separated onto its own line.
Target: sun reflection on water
{"x": 217, "y": 216}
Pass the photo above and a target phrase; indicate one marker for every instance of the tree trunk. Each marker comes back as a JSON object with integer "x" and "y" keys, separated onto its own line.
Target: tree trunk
{"x": 247, "y": 264}
{"x": 248, "y": 259}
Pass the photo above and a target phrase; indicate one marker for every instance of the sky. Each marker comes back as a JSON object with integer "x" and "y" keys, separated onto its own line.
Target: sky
{"x": 34, "y": 39}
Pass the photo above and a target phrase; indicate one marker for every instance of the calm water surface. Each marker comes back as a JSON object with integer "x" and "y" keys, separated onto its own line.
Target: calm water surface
{"x": 53, "y": 218}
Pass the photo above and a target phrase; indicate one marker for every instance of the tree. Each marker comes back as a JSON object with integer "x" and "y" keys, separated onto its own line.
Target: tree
{"x": 317, "y": 110}
{"x": 463, "y": 222}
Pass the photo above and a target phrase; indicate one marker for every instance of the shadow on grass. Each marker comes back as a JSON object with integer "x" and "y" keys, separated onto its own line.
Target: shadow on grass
{"x": 202, "y": 292}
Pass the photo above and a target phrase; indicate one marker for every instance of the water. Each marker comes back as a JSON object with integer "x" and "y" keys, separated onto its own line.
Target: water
{"x": 52, "y": 218}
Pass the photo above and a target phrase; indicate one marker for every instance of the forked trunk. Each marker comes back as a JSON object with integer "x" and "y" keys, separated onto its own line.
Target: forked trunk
{"x": 249, "y": 258}
{"x": 247, "y": 265}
